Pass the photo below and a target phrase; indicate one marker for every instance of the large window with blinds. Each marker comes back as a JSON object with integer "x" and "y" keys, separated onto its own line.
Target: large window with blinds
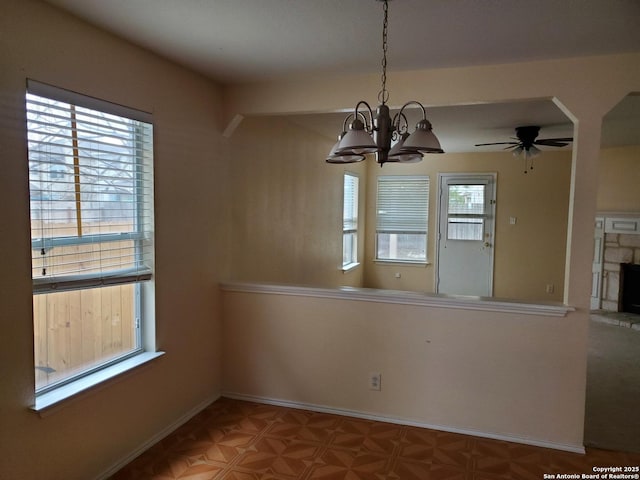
{"x": 91, "y": 195}
{"x": 402, "y": 216}
{"x": 350, "y": 221}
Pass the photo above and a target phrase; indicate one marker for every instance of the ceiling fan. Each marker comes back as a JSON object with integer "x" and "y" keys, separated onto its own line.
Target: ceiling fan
{"x": 524, "y": 144}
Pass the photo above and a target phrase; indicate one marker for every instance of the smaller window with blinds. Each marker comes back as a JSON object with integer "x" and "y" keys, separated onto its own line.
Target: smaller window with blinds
{"x": 91, "y": 196}
{"x": 350, "y": 222}
{"x": 402, "y": 216}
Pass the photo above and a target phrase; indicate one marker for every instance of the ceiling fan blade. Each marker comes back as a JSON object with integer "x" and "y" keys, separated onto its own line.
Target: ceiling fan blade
{"x": 550, "y": 143}
{"x": 496, "y": 143}
{"x": 559, "y": 139}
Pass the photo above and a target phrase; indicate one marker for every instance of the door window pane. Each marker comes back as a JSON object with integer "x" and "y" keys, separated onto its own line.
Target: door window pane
{"x": 466, "y": 207}
{"x": 460, "y": 228}
{"x": 466, "y": 199}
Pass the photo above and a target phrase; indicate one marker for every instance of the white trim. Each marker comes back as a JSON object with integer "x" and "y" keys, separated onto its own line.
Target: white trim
{"x": 406, "y": 298}
{"x": 47, "y": 403}
{"x": 403, "y": 421}
{"x": 350, "y": 266}
{"x": 67, "y": 96}
{"x": 150, "y": 442}
{"x": 626, "y": 223}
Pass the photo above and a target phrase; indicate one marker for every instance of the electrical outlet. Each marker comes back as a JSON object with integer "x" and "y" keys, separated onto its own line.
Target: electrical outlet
{"x": 375, "y": 381}
{"x": 549, "y": 287}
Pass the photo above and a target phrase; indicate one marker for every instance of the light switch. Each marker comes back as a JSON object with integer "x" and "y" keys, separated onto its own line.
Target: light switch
{"x": 512, "y": 220}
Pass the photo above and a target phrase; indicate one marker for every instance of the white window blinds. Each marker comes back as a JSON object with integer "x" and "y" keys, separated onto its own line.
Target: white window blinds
{"x": 350, "y": 220}
{"x": 403, "y": 204}
{"x": 350, "y": 211}
{"x": 91, "y": 188}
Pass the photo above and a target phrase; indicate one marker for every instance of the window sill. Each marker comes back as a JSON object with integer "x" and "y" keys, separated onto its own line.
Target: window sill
{"x": 349, "y": 267}
{"x": 47, "y": 402}
{"x": 402, "y": 262}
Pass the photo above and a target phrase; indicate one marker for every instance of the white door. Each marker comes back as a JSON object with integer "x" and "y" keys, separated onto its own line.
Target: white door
{"x": 465, "y": 234}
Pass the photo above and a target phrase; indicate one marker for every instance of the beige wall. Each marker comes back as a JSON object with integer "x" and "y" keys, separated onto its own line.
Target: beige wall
{"x": 90, "y": 434}
{"x": 494, "y": 373}
{"x": 618, "y": 179}
{"x": 287, "y": 206}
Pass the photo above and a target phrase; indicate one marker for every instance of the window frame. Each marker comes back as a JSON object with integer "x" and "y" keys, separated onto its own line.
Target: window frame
{"x": 350, "y": 220}
{"x": 141, "y": 275}
{"x": 409, "y": 224}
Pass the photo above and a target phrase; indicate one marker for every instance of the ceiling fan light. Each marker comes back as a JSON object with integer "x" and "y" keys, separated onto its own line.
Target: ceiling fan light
{"x": 422, "y": 140}
{"x": 518, "y": 151}
{"x": 356, "y": 141}
{"x": 533, "y": 151}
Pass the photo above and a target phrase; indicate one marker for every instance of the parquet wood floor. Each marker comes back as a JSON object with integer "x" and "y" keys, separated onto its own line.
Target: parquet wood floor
{"x": 238, "y": 440}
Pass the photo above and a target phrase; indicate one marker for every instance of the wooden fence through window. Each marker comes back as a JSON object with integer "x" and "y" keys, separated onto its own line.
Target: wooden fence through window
{"x": 76, "y": 330}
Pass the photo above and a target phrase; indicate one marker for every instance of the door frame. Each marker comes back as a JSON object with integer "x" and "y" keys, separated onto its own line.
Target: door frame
{"x": 493, "y": 178}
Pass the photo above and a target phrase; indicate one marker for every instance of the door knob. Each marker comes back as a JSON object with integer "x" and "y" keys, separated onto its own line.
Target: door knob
{"x": 487, "y": 244}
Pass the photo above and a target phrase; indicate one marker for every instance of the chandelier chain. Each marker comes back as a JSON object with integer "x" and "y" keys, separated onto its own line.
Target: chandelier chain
{"x": 383, "y": 95}
{"x": 375, "y": 134}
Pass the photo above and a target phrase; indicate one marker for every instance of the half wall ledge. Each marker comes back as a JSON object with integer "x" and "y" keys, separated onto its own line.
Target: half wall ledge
{"x": 460, "y": 302}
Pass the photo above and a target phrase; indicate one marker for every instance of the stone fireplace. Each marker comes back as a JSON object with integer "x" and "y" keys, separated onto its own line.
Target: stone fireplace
{"x": 630, "y": 288}
{"x": 619, "y": 249}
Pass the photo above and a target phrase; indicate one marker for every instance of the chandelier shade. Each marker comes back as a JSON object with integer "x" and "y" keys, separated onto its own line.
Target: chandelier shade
{"x": 344, "y": 158}
{"x": 377, "y": 134}
{"x": 423, "y": 140}
{"x": 334, "y": 157}
{"x": 397, "y": 155}
{"x": 357, "y": 140}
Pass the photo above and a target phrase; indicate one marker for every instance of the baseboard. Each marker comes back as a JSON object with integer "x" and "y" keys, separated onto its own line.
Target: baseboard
{"x": 157, "y": 437}
{"x": 401, "y": 421}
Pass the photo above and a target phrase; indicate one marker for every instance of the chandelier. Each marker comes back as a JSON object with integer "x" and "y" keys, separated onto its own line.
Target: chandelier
{"x": 367, "y": 133}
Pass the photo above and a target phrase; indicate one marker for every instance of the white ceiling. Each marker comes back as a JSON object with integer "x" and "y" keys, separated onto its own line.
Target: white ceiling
{"x": 237, "y": 41}
{"x": 246, "y": 40}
